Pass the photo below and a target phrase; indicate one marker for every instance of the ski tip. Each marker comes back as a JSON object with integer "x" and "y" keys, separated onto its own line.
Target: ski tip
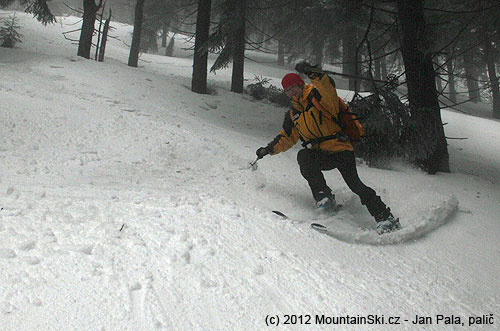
{"x": 318, "y": 227}
{"x": 277, "y": 212}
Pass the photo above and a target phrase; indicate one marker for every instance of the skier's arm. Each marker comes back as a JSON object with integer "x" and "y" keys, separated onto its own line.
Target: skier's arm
{"x": 287, "y": 137}
{"x": 325, "y": 93}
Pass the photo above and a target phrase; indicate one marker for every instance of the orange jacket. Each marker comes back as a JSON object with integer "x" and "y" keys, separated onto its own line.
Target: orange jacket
{"x": 311, "y": 118}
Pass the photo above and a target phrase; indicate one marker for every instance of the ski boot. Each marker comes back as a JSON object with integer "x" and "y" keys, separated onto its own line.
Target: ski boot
{"x": 327, "y": 203}
{"x": 387, "y": 223}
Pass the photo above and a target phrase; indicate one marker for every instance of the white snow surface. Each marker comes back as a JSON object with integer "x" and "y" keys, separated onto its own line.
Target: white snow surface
{"x": 127, "y": 204}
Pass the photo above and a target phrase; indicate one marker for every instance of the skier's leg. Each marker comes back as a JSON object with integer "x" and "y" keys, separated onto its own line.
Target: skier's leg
{"x": 369, "y": 198}
{"x": 310, "y": 168}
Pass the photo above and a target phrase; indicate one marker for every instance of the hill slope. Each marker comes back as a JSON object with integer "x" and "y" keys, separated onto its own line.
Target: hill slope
{"x": 128, "y": 204}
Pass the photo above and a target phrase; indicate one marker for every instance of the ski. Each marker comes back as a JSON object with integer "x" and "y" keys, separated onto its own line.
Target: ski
{"x": 327, "y": 213}
{"x": 351, "y": 233}
{"x": 319, "y": 227}
{"x": 277, "y": 212}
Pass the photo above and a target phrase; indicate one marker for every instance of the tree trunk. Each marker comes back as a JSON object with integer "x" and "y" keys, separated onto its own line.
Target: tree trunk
{"x": 170, "y": 47}
{"x": 104, "y": 40}
{"x": 383, "y": 68}
{"x": 99, "y": 33}
{"x": 377, "y": 73}
{"x": 164, "y": 34}
{"x": 148, "y": 42}
{"x": 439, "y": 80}
{"x": 281, "y": 52}
{"x": 495, "y": 90}
{"x": 317, "y": 46}
{"x": 89, "y": 16}
{"x": 451, "y": 76}
{"x": 350, "y": 57}
{"x": 378, "y": 51}
{"x": 199, "y": 80}
{"x": 420, "y": 77}
{"x": 166, "y": 29}
{"x": 133, "y": 58}
{"x": 239, "y": 50}
{"x": 472, "y": 76}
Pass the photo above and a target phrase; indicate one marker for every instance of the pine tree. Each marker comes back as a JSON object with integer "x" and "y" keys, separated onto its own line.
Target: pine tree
{"x": 90, "y": 9}
{"x": 490, "y": 30}
{"x": 469, "y": 35}
{"x": 136, "y": 38}
{"x": 200, "y": 61}
{"x": 239, "y": 43}
{"x": 490, "y": 54}
{"x": 420, "y": 79}
{"x": 229, "y": 40}
{"x": 350, "y": 41}
{"x": 38, "y": 8}
{"x": 9, "y": 32}
{"x": 158, "y": 16}
{"x": 104, "y": 39}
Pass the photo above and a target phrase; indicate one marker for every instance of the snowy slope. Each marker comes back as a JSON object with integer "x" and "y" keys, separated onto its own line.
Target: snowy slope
{"x": 128, "y": 205}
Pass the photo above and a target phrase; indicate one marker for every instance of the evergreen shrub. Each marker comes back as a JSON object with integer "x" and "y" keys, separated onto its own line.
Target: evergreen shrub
{"x": 260, "y": 91}
{"x": 9, "y": 32}
{"x": 386, "y": 120}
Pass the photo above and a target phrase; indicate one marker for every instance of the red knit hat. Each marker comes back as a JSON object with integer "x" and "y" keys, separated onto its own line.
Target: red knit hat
{"x": 290, "y": 80}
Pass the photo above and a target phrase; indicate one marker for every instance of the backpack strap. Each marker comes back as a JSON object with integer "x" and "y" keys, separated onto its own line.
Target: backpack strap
{"x": 317, "y": 141}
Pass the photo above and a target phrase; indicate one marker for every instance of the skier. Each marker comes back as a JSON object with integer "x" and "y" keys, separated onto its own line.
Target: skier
{"x": 313, "y": 120}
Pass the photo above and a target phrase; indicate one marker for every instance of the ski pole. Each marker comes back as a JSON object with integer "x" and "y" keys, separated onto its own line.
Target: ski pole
{"x": 253, "y": 164}
{"x": 391, "y": 81}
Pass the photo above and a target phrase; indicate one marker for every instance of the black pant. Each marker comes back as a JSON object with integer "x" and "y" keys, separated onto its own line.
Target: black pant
{"x": 312, "y": 162}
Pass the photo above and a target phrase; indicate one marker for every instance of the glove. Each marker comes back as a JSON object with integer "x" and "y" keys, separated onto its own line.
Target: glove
{"x": 263, "y": 151}
{"x": 305, "y": 67}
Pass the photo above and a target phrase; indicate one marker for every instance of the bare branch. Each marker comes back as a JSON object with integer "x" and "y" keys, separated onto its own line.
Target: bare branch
{"x": 79, "y": 11}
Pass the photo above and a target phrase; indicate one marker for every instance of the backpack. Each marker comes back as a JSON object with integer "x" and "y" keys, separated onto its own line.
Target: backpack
{"x": 349, "y": 122}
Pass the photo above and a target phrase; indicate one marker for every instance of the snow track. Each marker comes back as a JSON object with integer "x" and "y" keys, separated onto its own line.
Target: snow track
{"x": 348, "y": 228}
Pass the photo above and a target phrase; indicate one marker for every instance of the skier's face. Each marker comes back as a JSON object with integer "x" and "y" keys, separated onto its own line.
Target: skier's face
{"x": 294, "y": 91}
